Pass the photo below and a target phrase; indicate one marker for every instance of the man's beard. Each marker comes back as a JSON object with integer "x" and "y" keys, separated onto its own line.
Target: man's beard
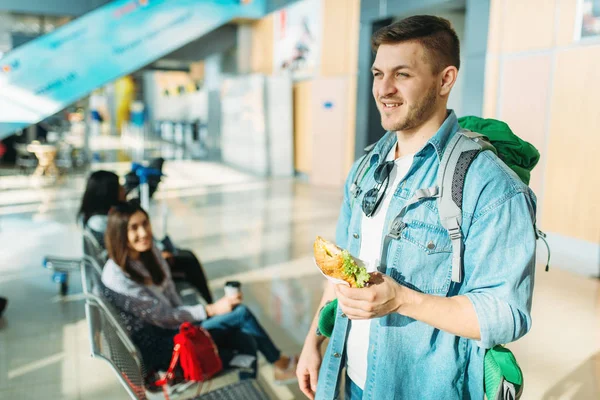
{"x": 416, "y": 115}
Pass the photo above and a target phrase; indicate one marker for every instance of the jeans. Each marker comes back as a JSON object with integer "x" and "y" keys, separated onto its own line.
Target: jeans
{"x": 353, "y": 391}
{"x": 239, "y": 332}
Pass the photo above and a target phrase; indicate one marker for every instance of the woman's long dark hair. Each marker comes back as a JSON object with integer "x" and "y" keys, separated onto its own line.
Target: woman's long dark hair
{"x": 117, "y": 244}
{"x": 101, "y": 193}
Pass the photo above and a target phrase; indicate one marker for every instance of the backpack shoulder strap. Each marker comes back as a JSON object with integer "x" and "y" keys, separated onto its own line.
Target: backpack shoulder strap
{"x": 456, "y": 160}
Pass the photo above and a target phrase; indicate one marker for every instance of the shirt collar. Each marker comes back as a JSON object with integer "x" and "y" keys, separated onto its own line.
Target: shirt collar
{"x": 383, "y": 147}
{"x": 443, "y": 135}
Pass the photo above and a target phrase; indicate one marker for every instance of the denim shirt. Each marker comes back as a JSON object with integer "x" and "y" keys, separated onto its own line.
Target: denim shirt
{"x": 409, "y": 359}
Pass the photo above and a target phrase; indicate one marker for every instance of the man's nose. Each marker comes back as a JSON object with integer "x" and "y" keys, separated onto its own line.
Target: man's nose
{"x": 386, "y": 88}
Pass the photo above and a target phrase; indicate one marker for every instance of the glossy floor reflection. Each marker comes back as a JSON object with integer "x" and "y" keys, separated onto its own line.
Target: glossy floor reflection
{"x": 256, "y": 231}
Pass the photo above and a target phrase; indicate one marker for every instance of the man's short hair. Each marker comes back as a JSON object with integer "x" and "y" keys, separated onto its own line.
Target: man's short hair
{"x": 435, "y": 34}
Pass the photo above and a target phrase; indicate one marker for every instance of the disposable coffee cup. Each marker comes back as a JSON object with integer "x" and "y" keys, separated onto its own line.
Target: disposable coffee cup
{"x": 233, "y": 288}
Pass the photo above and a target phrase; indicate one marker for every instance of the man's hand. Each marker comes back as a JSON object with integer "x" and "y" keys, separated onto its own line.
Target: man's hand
{"x": 224, "y": 305}
{"x": 383, "y": 296}
{"x": 310, "y": 359}
{"x": 308, "y": 369}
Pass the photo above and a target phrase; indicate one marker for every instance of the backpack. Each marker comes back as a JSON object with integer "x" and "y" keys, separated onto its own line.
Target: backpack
{"x": 196, "y": 353}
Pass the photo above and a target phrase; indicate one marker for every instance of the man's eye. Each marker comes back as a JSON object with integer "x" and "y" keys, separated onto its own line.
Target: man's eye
{"x": 376, "y": 74}
{"x": 402, "y": 74}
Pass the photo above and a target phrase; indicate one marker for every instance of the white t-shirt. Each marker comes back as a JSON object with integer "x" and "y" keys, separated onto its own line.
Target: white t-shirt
{"x": 372, "y": 231}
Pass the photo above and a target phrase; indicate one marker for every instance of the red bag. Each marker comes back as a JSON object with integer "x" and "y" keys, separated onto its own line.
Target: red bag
{"x": 197, "y": 354}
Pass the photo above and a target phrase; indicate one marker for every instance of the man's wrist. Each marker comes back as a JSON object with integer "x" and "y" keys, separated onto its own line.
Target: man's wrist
{"x": 408, "y": 299}
{"x": 313, "y": 340}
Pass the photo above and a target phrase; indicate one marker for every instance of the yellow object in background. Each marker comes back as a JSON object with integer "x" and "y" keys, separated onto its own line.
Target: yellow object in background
{"x": 124, "y": 96}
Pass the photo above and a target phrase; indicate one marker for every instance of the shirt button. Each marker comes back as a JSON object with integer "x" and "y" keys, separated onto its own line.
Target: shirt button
{"x": 355, "y": 236}
{"x": 343, "y": 315}
{"x": 336, "y": 355}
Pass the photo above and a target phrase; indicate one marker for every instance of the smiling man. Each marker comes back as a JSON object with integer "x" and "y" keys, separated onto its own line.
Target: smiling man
{"x": 417, "y": 332}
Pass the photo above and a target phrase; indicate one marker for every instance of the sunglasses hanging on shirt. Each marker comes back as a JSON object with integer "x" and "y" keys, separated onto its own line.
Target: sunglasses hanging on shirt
{"x": 373, "y": 197}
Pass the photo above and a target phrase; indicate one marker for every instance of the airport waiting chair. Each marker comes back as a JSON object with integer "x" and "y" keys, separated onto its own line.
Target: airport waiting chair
{"x": 91, "y": 277}
{"x": 93, "y": 248}
{"x": 110, "y": 341}
{"x": 108, "y": 344}
{"x": 91, "y": 282}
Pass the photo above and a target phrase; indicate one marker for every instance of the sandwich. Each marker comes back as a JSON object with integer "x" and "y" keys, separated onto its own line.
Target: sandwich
{"x": 339, "y": 264}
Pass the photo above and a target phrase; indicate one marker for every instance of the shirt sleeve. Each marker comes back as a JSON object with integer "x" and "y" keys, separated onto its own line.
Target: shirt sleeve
{"x": 499, "y": 262}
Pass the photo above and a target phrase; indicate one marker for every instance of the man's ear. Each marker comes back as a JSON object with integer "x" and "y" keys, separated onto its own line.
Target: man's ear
{"x": 448, "y": 79}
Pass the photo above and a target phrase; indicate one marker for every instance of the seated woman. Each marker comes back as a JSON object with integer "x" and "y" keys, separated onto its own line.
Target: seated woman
{"x": 103, "y": 191}
{"x": 136, "y": 269}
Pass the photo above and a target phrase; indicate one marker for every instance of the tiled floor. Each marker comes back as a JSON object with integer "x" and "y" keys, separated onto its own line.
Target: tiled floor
{"x": 256, "y": 231}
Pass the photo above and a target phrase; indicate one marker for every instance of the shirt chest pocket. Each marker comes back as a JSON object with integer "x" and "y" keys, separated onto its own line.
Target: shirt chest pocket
{"x": 422, "y": 258}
